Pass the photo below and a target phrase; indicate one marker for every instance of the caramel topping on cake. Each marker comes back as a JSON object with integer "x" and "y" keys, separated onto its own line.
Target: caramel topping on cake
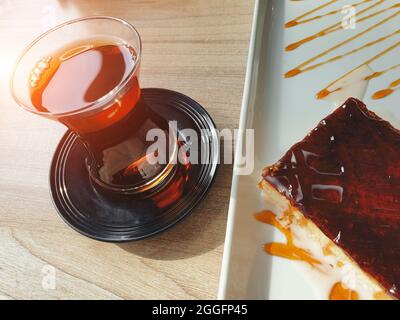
{"x": 345, "y": 177}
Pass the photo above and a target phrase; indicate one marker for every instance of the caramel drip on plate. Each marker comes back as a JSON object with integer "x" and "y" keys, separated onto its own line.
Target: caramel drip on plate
{"x": 382, "y": 93}
{"x": 303, "y": 67}
{"x": 290, "y": 251}
{"x": 380, "y": 295}
{"x": 395, "y": 83}
{"x": 324, "y": 53}
{"x": 340, "y": 292}
{"x": 338, "y": 26}
{"x": 286, "y": 250}
{"x": 295, "y": 21}
{"x": 299, "y": 20}
{"x": 380, "y": 73}
{"x": 327, "y": 250}
{"x": 312, "y": 63}
{"x": 388, "y": 91}
{"x": 325, "y": 92}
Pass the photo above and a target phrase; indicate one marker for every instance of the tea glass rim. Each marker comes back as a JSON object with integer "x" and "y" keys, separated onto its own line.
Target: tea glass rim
{"x": 99, "y": 103}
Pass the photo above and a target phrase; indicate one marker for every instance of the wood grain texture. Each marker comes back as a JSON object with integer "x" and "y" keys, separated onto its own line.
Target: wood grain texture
{"x": 193, "y": 46}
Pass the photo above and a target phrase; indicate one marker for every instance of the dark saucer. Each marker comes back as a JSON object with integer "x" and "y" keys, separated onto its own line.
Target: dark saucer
{"x": 111, "y": 217}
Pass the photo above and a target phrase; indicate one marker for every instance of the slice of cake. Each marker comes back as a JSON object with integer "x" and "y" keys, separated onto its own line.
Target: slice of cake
{"x": 344, "y": 179}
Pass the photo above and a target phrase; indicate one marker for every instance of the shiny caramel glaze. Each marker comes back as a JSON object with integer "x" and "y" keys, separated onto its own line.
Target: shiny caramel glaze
{"x": 345, "y": 177}
{"x": 340, "y": 292}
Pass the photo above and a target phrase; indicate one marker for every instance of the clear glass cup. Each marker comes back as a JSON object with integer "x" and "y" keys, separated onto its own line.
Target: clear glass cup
{"x": 113, "y": 125}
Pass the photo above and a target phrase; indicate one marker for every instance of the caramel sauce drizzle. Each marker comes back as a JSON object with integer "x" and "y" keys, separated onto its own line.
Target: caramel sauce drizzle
{"x": 286, "y": 250}
{"x": 325, "y": 92}
{"x": 379, "y": 73}
{"x": 297, "y": 21}
{"x": 338, "y": 26}
{"x": 290, "y": 251}
{"x": 388, "y": 91}
{"x": 308, "y": 66}
{"x": 303, "y": 67}
{"x": 380, "y": 295}
{"x": 345, "y": 42}
{"x": 340, "y": 292}
{"x": 327, "y": 250}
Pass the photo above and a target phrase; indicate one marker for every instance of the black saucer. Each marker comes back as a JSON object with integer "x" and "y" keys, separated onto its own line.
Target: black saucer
{"x": 120, "y": 218}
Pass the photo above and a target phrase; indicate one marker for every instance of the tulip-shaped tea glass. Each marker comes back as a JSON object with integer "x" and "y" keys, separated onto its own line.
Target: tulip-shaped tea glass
{"x": 122, "y": 172}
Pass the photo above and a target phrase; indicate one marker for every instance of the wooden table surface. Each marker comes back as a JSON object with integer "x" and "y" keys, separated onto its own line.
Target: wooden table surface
{"x": 196, "y": 47}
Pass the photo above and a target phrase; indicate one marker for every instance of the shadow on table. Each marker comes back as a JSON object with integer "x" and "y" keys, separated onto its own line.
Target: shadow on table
{"x": 202, "y": 231}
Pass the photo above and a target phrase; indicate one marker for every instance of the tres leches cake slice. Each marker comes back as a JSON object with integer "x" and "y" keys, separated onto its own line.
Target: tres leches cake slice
{"x": 344, "y": 179}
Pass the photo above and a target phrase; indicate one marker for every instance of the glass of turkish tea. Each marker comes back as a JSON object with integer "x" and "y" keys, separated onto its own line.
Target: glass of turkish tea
{"x": 85, "y": 74}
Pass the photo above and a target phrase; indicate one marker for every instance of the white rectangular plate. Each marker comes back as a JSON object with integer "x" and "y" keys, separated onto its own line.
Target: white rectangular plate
{"x": 281, "y": 112}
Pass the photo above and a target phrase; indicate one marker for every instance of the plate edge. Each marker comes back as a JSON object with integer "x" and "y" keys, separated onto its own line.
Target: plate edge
{"x": 258, "y": 20}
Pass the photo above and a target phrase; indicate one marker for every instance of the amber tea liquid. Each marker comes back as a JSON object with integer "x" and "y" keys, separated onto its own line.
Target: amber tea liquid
{"x": 75, "y": 77}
